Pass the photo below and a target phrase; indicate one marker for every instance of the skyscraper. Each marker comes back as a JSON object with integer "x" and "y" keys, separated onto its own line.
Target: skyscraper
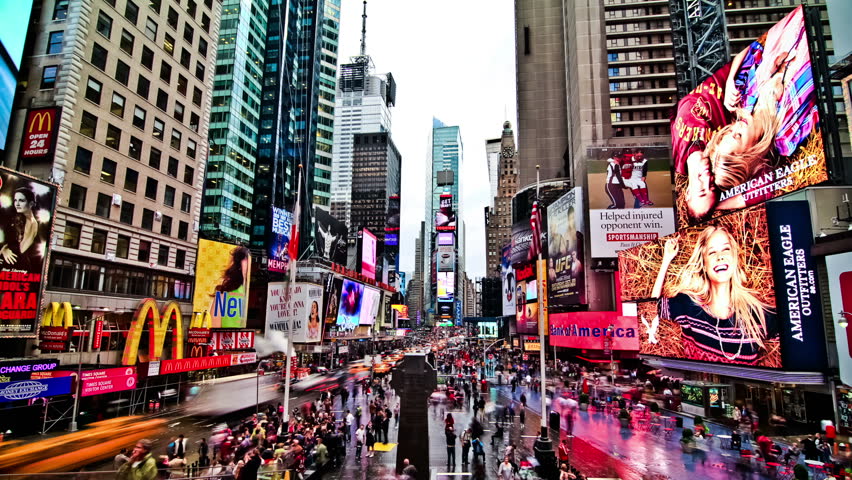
{"x": 498, "y": 228}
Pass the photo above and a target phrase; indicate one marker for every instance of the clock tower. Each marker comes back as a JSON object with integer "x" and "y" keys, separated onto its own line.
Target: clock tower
{"x": 498, "y": 227}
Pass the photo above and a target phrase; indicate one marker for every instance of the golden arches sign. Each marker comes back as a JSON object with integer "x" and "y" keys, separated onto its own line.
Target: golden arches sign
{"x": 201, "y": 320}
{"x": 156, "y": 331}
{"x": 58, "y": 315}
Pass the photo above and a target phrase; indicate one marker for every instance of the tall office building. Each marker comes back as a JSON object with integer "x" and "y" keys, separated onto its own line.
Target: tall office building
{"x": 492, "y": 161}
{"x": 415, "y": 285}
{"x": 234, "y": 120}
{"x": 133, "y": 82}
{"x": 498, "y": 225}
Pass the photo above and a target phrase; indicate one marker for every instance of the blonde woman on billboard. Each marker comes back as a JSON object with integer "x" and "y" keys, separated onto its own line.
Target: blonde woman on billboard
{"x": 20, "y": 247}
{"x": 231, "y": 287}
{"x": 721, "y": 318}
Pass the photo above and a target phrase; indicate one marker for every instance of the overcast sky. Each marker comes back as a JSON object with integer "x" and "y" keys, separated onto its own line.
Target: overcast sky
{"x": 454, "y": 60}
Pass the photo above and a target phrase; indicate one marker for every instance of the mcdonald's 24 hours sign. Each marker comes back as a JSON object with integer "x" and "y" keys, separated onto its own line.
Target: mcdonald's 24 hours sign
{"x": 40, "y": 129}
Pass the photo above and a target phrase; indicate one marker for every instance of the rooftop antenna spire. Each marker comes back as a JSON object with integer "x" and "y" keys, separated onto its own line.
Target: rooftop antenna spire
{"x": 364, "y": 30}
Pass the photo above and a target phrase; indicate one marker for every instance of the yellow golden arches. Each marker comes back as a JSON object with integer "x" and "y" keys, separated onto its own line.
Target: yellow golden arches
{"x": 156, "y": 331}
{"x": 56, "y": 317}
{"x": 201, "y": 320}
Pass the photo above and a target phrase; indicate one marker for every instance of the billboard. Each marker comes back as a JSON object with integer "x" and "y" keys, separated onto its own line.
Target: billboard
{"x": 797, "y": 294}
{"x": 707, "y": 292}
{"x": 446, "y": 258}
{"x": 368, "y": 254}
{"x": 332, "y": 299}
{"x": 13, "y": 35}
{"x": 630, "y": 199}
{"x": 566, "y": 283}
{"x": 487, "y": 329}
{"x": 507, "y": 275}
{"x": 587, "y": 330}
{"x": 279, "y": 247}
{"x": 107, "y": 380}
{"x": 521, "y": 240}
{"x": 295, "y": 306}
{"x": 446, "y": 286}
{"x": 370, "y": 306}
{"x": 222, "y": 276}
{"x": 445, "y": 217}
{"x": 392, "y": 224}
{"x": 41, "y": 388}
{"x": 750, "y": 132}
{"x": 38, "y": 141}
{"x": 526, "y": 298}
{"x": 231, "y": 339}
{"x": 446, "y": 238}
{"x": 26, "y": 224}
{"x": 349, "y": 312}
{"x": 839, "y": 273}
{"x": 332, "y": 237}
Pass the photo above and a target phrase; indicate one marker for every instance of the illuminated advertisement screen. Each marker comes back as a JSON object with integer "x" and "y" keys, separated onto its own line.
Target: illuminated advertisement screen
{"x": 566, "y": 281}
{"x": 526, "y": 304}
{"x": 750, "y": 132}
{"x": 446, "y": 238}
{"x": 351, "y": 299}
{"x": 446, "y": 286}
{"x": 368, "y": 254}
{"x": 521, "y": 240}
{"x": 446, "y": 258}
{"x": 507, "y": 275}
{"x": 674, "y": 279}
{"x": 445, "y": 217}
{"x": 13, "y": 34}
{"x": 692, "y": 394}
{"x": 333, "y": 289}
{"x": 391, "y": 240}
{"x": 587, "y": 330}
{"x": 487, "y": 329}
{"x": 279, "y": 254}
{"x": 222, "y": 276}
{"x": 392, "y": 224}
{"x": 331, "y": 237}
{"x": 370, "y": 306}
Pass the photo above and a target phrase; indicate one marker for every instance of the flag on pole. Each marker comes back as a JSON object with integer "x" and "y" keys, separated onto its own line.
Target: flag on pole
{"x": 535, "y": 223}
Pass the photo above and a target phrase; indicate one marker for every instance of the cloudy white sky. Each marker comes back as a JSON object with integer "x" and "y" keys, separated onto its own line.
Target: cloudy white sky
{"x": 454, "y": 60}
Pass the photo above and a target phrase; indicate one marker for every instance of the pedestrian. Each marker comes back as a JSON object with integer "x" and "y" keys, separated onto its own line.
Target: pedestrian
{"x": 523, "y": 399}
{"x": 396, "y": 413}
{"x": 321, "y": 456}
{"x": 120, "y": 459}
{"x": 522, "y": 414}
{"x": 465, "y": 441}
{"x": 478, "y": 450}
{"x": 386, "y": 423}
{"x": 360, "y": 439}
{"x": 371, "y": 439}
{"x": 451, "y": 447}
{"x": 409, "y": 469}
{"x": 348, "y": 421}
{"x": 203, "y": 451}
{"x": 141, "y": 464}
{"x": 505, "y": 471}
{"x": 564, "y": 452}
{"x": 449, "y": 422}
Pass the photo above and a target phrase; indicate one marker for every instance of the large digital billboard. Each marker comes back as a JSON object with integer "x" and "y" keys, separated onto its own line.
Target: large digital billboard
{"x": 351, "y": 300}
{"x": 446, "y": 286}
{"x": 13, "y": 34}
{"x": 507, "y": 274}
{"x": 750, "y": 132}
{"x": 296, "y": 306}
{"x": 446, "y": 238}
{"x": 565, "y": 277}
{"x": 331, "y": 235}
{"x": 630, "y": 198}
{"x": 526, "y": 298}
{"x": 26, "y": 222}
{"x": 332, "y": 298}
{"x": 368, "y": 254}
{"x": 521, "y": 240}
{"x": 446, "y": 258}
{"x": 587, "y": 330}
{"x": 445, "y": 217}
{"x": 392, "y": 224}
{"x": 370, "y": 306}
{"x": 222, "y": 276}
{"x": 707, "y": 293}
{"x": 487, "y": 329}
{"x": 279, "y": 247}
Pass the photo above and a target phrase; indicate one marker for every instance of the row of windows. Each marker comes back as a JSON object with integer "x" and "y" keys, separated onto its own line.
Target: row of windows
{"x": 642, "y": 131}
{"x": 111, "y": 279}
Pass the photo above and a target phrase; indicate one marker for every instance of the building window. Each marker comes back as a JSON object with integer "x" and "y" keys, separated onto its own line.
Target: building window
{"x": 127, "y": 41}
{"x": 48, "y": 77}
{"x": 77, "y": 197}
{"x": 99, "y": 56}
{"x": 117, "y": 105}
{"x": 173, "y": 167}
{"x": 127, "y": 210}
{"x": 151, "y": 29}
{"x": 151, "y": 188}
{"x": 131, "y": 12}
{"x": 166, "y": 225}
{"x": 172, "y": 18}
{"x": 183, "y": 230}
{"x": 194, "y": 121}
{"x": 163, "y": 256}
{"x": 113, "y": 138}
{"x": 169, "y": 196}
{"x": 54, "y": 43}
{"x": 188, "y": 174}
{"x": 159, "y": 126}
{"x": 88, "y": 125}
{"x": 99, "y": 241}
{"x": 60, "y": 10}
{"x": 108, "y": 170}
{"x": 191, "y": 147}
{"x": 143, "y": 86}
{"x": 169, "y": 44}
{"x": 147, "y": 219}
{"x": 185, "y": 58}
{"x": 122, "y": 246}
{"x": 83, "y": 161}
{"x": 196, "y": 96}
{"x": 178, "y": 112}
{"x": 182, "y": 85}
{"x": 185, "y": 202}
{"x": 202, "y": 46}
{"x": 144, "y": 251}
{"x": 155, "y": 5}
{"x": 122, "y": 72}
{"x": 93, "y": 90}
{"x": 135, "y": 149}
{"x": 154, "y": 158}
{"x": 139, "y": 115}
{"x": 131, "y": 180}
{"x": 165, "y": 72}
{"x": 147, "y": 58}
{"x": 176, "y": 139}
{"x": 103, "y": 206}
{"x": 71, "y": 237}
{"x": 199, "y": 71}
{"x": 162, "y": 100}
{"x": 180, "y": 259}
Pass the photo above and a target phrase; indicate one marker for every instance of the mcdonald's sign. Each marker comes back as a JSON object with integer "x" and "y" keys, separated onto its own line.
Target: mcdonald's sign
{"x": 40, "y": 128}
{"x": 157, "y": 322}
{"x": 56, "y": 324}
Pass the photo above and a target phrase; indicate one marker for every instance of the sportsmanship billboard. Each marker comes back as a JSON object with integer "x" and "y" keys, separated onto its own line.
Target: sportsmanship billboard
{"x": 296, "y": 306}
{"x": 351, "y": 298}
{"x": 332, "y": 236}
{"x": 565, "y": 276}
{"x": 279, "y": 247}
{"x": 750, "y": 132}
{"x": 26, "y": 224}
{"x": 507, "y": 275}
{"x": 222, "y": 276}
{"x": 445, "y": 217}
{"x": 618, "y": 220}
{"x": 368, "y": 254}
{"x": 680, "y": 274}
